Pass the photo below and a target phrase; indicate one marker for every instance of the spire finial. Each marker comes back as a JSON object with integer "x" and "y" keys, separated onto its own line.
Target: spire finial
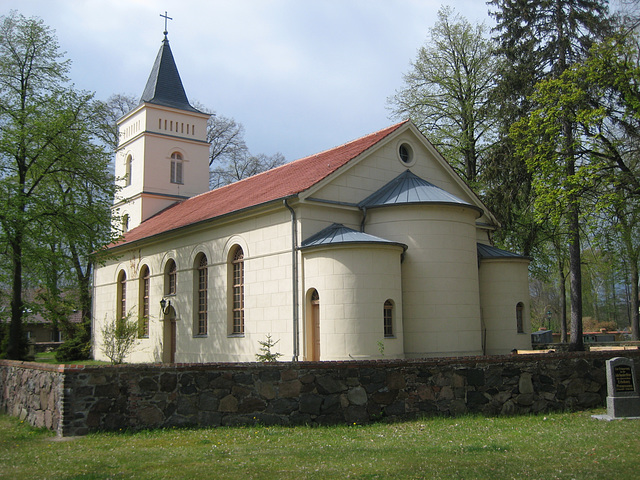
{"x": 166, "y": 17}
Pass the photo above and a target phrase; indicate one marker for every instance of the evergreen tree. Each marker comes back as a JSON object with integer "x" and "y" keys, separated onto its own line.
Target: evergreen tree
{"x": 543, "y": 38}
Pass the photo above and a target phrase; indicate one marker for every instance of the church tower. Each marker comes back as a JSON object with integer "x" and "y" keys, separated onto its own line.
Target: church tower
{"x": 162, "y": 155}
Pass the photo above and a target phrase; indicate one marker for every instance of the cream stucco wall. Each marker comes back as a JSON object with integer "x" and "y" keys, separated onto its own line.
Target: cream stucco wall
{"x": 266, "y": 243}
{"x": 149, "y": 135}
{"x": 439, "y": 276}
{"x": 353, "y": 283}
{"x": 435, "y": 285}
{"x": 504, "y": 284}
{"x": 382, "y": 164}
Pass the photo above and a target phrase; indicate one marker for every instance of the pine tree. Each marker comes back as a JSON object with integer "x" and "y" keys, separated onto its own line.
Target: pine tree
{"x": 540, "y": 39}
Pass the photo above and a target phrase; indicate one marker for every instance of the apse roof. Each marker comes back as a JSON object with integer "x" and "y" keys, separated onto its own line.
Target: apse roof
{"x": 489, "y": 251}
{"x": 409, "y": 188}
{"x": 337, "y": 233}
{"x": 164, "y": 86}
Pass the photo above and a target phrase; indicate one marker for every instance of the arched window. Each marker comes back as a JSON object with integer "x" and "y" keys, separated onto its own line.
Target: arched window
{"x": 125, "y": 223}
{"x": 170, "y": 277}
{"x": 237, "y": 294}
{"x": 387, "y": 316}
{"x": 519, "y": 317}
{"x": 121, "y": 310}
{"x": 176, "y": 168}
{"x": 202, "y": 284}
{"x": 127, "y": 170}
{"x": 144, "y": 302}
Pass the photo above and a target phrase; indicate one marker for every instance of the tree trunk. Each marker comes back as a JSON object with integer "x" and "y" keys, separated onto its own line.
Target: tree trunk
{"x": 563, "y": 302}
{"x": 17, "y": 348}
{"x": 635, "y": 303}
{"x": 575, "y": 276}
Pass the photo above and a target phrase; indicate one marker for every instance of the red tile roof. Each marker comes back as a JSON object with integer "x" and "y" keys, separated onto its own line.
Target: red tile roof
{"x": 278, "y": 183}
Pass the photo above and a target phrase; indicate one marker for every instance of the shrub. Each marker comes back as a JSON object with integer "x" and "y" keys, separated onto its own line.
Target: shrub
{"x": 119, "y": 338}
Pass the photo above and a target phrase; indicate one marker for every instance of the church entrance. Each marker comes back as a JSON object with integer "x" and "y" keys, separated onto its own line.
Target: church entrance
{"x": 169, "y": 337}
{"x": 313, "y": 331}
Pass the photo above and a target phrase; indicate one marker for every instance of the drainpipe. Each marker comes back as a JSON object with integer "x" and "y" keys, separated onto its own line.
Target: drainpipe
{"x": 294, "y": 277}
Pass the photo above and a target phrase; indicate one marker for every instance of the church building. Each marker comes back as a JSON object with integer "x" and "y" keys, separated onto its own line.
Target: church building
{"x": 373, "y": 249}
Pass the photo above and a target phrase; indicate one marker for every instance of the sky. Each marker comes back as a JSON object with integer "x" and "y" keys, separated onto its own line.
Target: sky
{"x": 301, "y": 76}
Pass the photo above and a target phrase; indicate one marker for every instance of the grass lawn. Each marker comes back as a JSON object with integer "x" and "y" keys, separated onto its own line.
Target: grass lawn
{"x": 50, "y": 357}
{"x": 569, "y": 445}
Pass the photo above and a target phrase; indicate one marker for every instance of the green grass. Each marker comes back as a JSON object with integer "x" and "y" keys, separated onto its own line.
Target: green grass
{"x": 50, "y": 357}
{"x": 565, "y": 446}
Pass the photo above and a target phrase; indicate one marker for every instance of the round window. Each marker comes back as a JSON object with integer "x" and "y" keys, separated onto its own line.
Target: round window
{"x": 406, "y": 153}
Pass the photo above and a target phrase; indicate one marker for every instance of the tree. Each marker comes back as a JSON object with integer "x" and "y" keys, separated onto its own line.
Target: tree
{"x": 48, "y": 162}
{"x": 108, "y": 113}
{"x": 447, "y": 93}
{"x": 265, "y": 354}
{"x": 554, "y": 34}
{"x": 229, "y": 156}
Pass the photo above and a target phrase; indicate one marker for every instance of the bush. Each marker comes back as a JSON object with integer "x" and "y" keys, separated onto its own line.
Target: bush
{"x": 119, "y": 338}
{"x": 75, "y": 348}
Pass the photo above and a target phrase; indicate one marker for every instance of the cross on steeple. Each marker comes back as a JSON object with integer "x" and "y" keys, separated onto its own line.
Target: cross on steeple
{"x": 166, "y": 17}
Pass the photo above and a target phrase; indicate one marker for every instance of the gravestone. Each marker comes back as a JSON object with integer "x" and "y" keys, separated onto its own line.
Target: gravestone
{"x": 623, "y": 396}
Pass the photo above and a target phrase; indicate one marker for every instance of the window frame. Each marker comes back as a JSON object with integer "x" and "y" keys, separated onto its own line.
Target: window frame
{"x": 177, "y": 168}
{"x": 387, "y": 318}
{"x": 520, "y": 317}
{"x": 145, "y": 284}
{"x": 171, "y": 277}
{"x": 201, "y": 300}
{"x": 121, "y": 296}
{"x": 128, "y": 163}
{"x": 237, "y": 325}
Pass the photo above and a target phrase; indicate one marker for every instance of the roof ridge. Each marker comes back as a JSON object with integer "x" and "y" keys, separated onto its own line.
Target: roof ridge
{"x": 277, "y": 183}
{"x": 315, "y": 155}
{"x": 391, "y": 127}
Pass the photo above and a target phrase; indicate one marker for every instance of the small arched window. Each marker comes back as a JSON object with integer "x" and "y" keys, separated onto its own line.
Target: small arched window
{"x": 202, "y": 284}
{"x": 125, "y": 223}
{"x": 143, "y": 328}
{"x": 519, "y": 317}
{"x": 127, "y": 170}
{"x": 387, "y": 316}
{"x": 237, "y": 294}
{"x": 170, "y": 277}
{"x": 121, "y": 310}
{"x": 176, "y": 168}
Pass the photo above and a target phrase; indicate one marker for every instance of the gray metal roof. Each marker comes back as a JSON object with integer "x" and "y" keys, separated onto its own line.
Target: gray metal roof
{"x": 409, "y": 188}
{"x": 488, "y": 251}
{"x": 337, "y": 233}
{"x": 164, "y": 86}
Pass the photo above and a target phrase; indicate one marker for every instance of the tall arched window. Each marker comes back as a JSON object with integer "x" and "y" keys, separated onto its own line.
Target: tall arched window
{"x": 127, "y": 170}
{"x": 176, "y": 168}
{"x": 387, "y": 316}
{"x": 237, "y": 264}
{"x": 170, "y": 277}
{"x": 144, "y": 302}
{"x": 201, "y": 294}
{"x": 121, "y": 311}
{"x": 519, "y": 317}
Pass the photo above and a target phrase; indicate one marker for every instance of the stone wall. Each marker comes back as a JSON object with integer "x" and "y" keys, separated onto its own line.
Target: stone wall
{"x": 33, "y": 392}
{"x": 153, "y": 396}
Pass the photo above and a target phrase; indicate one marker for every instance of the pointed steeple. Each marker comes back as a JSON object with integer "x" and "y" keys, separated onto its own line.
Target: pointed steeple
{"x": 164, "y": 86}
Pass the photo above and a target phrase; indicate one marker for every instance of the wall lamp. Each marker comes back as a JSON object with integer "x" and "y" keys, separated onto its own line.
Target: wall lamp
{"x": 164, "y": 305}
